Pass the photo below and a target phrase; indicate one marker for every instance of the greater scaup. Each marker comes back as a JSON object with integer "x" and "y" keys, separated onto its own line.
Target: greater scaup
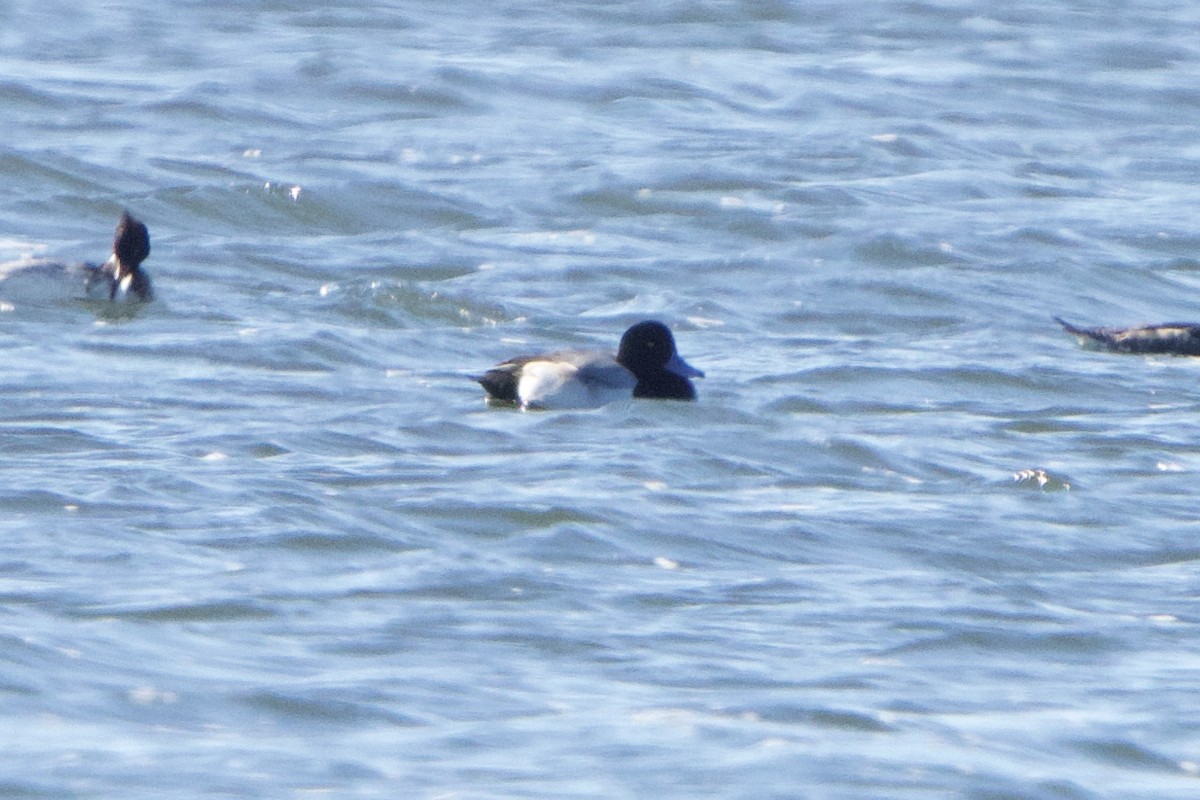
{"x": 646, "y": 365}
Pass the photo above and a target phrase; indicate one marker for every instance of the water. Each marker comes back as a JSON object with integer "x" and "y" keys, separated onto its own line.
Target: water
{"x": 263, "y": 538}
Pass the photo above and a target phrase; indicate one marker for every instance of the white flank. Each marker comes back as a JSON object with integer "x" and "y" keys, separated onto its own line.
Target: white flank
{"x": 568, "y": 384}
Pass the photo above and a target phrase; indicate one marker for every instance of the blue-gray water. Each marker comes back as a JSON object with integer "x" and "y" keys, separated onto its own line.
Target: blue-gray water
{"x": 263, "y": 538}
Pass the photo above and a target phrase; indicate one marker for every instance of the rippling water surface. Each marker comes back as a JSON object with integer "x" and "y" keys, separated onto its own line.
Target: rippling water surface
{"x": 263, "y": 539}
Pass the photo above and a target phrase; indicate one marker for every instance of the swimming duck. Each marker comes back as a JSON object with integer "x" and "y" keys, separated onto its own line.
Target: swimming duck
{"x": 1177, "y": 338}
{"x": 35, "y": 282}
{"x": 646, "y": 365}
{"x": 121, "y": 277}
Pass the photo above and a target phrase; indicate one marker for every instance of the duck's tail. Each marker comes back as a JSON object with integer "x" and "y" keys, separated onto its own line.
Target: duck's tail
{"x": 1074, "y": 330}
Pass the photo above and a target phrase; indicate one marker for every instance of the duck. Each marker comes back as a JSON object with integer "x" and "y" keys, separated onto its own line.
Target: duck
{"x": 121, "y": 278}
{"x": 646, "y": 365}
{"x": 1174, "y": 338}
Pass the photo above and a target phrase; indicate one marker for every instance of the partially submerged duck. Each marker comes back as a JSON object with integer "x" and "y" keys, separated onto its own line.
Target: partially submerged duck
{"x": 1174, "y": 338}
{"x": 646, "y": 365}
{"x": 121, "y": 279}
